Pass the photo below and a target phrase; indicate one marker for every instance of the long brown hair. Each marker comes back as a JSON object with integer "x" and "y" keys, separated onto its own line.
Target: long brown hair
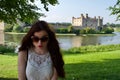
{"x": 53, "y": 45}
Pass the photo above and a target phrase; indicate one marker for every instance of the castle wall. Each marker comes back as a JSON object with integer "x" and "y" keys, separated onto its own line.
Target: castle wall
{"x": 77, "y": 21}
{"x": 85, "y": 21}
{"x": 1, "y": 26}
{"x": 1, "y": 33}
{"x": 89, "y": 22}
{"x": 1, "y": 37}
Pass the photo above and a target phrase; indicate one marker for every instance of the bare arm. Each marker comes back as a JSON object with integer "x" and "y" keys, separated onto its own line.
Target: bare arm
{"x": 55, "y": 76}
{"x": 22, "y": 58}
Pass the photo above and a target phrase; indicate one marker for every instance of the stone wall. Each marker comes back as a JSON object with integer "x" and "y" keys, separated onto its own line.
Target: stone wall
{"x": 86, "y": 21}
{"x": 1, "y": 33}
{"x": 1, "y": 26}
{"x": 1, "y": 37}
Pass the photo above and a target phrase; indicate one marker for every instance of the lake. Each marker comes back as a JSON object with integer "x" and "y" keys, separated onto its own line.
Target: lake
{"x": 69, "y": 41}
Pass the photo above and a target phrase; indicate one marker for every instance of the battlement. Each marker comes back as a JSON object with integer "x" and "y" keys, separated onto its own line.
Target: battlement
{"x": 86, "y": 21}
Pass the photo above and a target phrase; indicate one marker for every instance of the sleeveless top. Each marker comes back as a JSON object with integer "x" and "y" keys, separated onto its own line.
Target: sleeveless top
{"x": 39, "y": 67}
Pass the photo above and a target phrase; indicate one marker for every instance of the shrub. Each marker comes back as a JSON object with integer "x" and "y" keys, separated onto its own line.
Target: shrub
{"x": 8, "y": 28}
{"x": 83, "y": 31}
{"x": 26, "y": 29}
{"x": 17, "y": 28}
{"x": 97, "y": 48}
{"x": 108, "y": 30}
{"x": 70, "y": 29}
{"x": 76, "y": 31}
{"x": 6, "y": 49}
{"x": 62, "y": 30}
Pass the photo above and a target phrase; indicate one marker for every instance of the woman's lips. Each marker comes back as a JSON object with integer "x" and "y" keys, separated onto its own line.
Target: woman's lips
{"x": 39, "y": 46}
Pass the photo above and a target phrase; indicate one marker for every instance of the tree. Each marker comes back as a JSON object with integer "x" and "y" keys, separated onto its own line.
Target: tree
{"x": 23, "y": 10}
{"x": 115, "y": 10}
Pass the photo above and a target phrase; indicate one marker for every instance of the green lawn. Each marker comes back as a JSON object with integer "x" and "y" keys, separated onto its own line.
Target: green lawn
{"x": 90, "y": 66}
{"x": 8, "y": 67}
{"x": 93, "y": 66}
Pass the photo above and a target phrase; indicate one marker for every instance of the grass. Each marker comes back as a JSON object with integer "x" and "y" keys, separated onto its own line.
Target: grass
{"x": 91, "y": 66}
{"x": 94, "y": 48}
{"x": 117, "y": 29}
{"x": 95, "y": 66}
{"x": 8, "y": 67}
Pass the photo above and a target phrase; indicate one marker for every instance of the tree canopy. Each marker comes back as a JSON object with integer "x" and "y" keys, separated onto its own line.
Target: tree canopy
{"x": 115, "y": 10}
{"x": 23, "y": 10}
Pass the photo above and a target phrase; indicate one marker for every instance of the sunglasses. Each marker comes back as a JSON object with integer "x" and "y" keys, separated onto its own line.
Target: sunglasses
{"x": 42, "y": 39}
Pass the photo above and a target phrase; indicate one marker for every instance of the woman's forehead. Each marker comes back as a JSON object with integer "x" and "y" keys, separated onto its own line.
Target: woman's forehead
{"x": 41, "y": 33}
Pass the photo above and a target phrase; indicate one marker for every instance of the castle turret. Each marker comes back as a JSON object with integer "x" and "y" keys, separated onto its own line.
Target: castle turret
{"x": 95, "y": 17}
{"x": 82, "y": 16}
{"x": 85, "y": 21}
{"x": 1, "y": 33}
{"x": 72, "y": 20}
{"x": 1, "y": 26}
{"x": 98, "y": 20}
{"x": 86, "y": 15}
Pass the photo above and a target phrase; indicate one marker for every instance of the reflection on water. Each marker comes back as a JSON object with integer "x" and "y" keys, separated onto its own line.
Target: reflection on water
{"x": 1, "y": 37}
{"x": 111, "y": 40}
{"x": 67, "y": 42}
{"x": 16, "y": 38}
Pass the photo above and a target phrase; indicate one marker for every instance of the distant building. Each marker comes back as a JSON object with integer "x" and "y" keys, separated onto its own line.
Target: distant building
{"x": 86, "y": 21}
{"x": 1, "y": 26}
{"x": 1, "y": 33}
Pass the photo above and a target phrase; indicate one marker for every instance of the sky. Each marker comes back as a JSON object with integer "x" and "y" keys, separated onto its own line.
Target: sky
{"x": 66, "y": 9}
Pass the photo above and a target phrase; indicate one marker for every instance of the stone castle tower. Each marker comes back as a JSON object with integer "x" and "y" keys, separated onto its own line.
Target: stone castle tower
{"x": 86, "y": 21}
{"x": 1, "y": 33}
{"x": 1, "y": 26}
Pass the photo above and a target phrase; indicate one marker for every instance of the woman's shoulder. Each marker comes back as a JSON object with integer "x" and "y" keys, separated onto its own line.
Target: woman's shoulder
{"x": 22, "y": 55}
{"x": 23, "y": 51}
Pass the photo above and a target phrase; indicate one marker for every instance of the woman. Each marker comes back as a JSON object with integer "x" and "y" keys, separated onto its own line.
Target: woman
{"x": 39, "y": 55}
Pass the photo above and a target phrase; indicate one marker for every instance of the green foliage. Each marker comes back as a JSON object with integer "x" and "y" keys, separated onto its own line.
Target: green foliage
{"x": 76, "y": 31}
{"x": 6, "y": 49}
{"x": 26, "y": 29}
{"x": 112, "y": 25}
{"x": 24, "y": 10}
{"x": 88, "y": 30}
{"x": 62, "y": 30}
{"x": 8, "y": 28}
{"x": 83, "y": 31}
{"x": 60, "y": 24}
{"x": 115, "y": 10}
{"x": 17, "y": 28}
{"x": 108, "y": 30}
{"x": 70, "y": 29}
{"x": 98, "y": 48}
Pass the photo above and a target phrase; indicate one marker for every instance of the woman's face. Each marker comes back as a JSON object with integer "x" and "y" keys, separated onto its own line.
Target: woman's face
{"x": 40, "y": 40}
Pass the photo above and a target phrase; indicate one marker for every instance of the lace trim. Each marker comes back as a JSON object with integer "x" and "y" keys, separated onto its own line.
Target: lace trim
{"x": 39, "y": 60}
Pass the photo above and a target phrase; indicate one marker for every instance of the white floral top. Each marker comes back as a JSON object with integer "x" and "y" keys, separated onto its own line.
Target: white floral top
{"x": 39, "y": 67}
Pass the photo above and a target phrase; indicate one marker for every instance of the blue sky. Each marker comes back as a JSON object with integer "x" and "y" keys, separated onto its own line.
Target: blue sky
{"x": 69, "y": 8}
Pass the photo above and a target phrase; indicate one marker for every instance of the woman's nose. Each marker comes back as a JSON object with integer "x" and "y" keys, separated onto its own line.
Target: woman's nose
{"x": 39, "y": 42}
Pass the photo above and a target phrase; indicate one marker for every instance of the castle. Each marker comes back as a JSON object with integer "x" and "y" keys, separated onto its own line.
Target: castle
{"x": 1, "y": 33}
{"x": 86, "y": 21}
{"x": 1, "y": 26}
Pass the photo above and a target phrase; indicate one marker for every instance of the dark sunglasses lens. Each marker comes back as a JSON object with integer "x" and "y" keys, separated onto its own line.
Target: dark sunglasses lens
{"x": 44, "y": 39}
{"x": 35, "y": 39}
